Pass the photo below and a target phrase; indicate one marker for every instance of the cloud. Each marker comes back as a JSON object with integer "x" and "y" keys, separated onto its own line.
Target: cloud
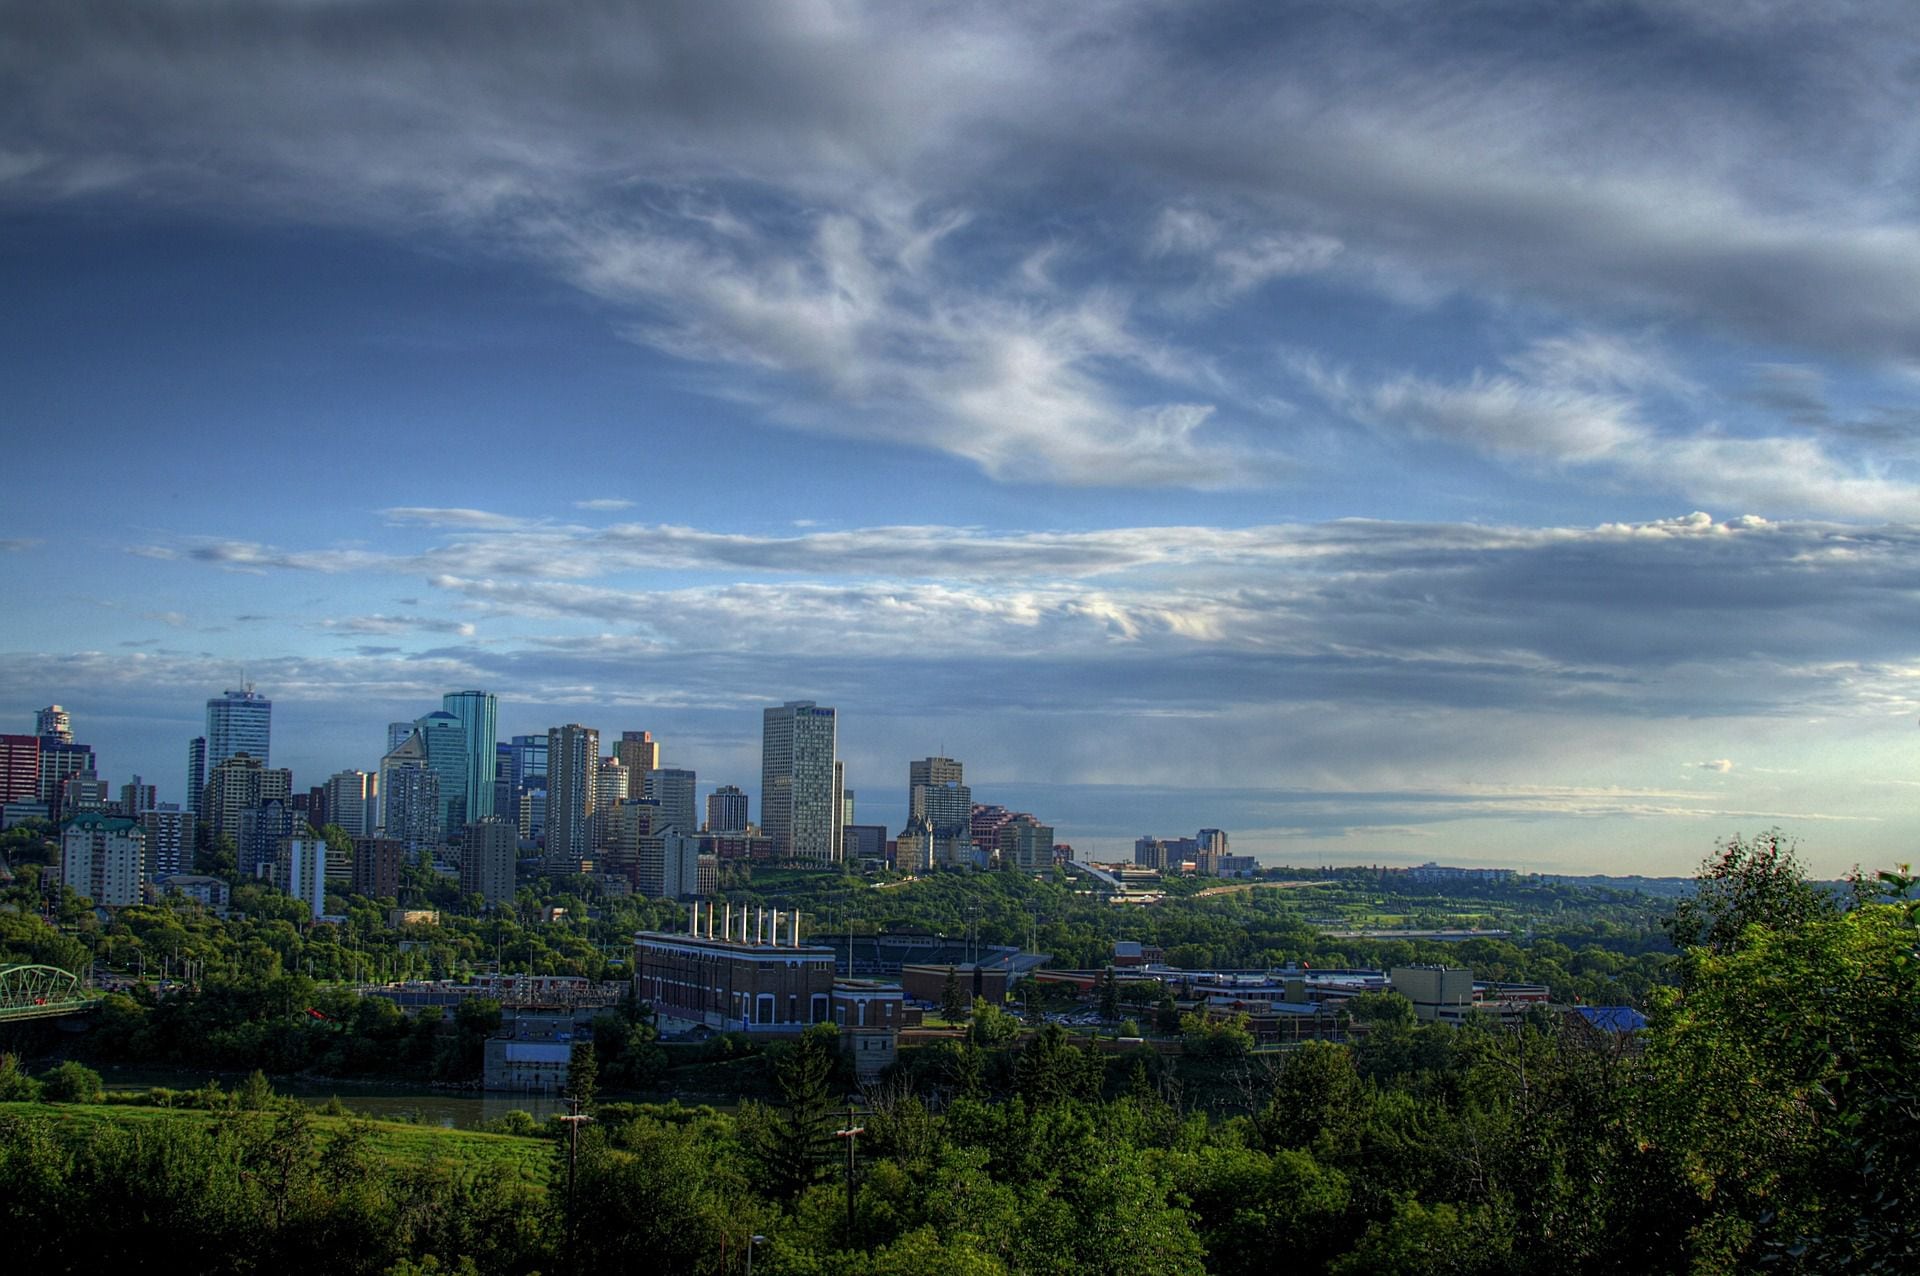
{"x": 16, "y": 544}
{"x": 1722, "y": 765}
{"x": 172, "y": 618}
{"x": 603, "y": 503}
{"x": 832, "y": 214}
{"x": 378, "y": 624}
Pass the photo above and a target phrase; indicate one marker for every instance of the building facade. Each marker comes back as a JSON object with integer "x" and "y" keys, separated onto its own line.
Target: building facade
{"x": 376, "y": 867}
{"x": 573, "y": 762}
{"x": 726, "y": 810}
{"x": 238, "y": 784}
{"x": 673, "y": 788}
{"x": 738, "y": 973}
{"x": 104, "y": 858}
{"x": 478, "y": 713}
{"x": 54, "y": 722}
{"x": 799, "y": 801}
{"x": 239, "y": 722}
{"x": 19, "y": 768}
{"x": 489, "y": 859}
{"x": 353, "y": 802}
{"x": 445, "y": 740}
{"x": 170, "y": 845}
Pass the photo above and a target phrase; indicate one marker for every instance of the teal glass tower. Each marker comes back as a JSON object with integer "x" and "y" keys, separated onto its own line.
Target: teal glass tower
{"x": 477, "y": 712}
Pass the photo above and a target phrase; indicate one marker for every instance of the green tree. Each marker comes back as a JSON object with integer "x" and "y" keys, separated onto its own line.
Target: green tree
{"x": 583, "y": 1074}
{"x": 1317, "y": 1100}
{"x": 1748, "y": 883}
{"x": 792, "y": 1145}
{"x": 953, "y": 1002}
{"x": 71, "y": 1082}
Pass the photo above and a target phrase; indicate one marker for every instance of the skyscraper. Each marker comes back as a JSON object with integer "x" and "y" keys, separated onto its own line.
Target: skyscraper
{"x": 445, "y": 738}
{"x": 409, "y": 795}
{"x": 353, "y": 802}
{"x": 477, "y": 712}
{"x": 726, "y": 810}
{"x": 19, "y": 768}
{"x": 640, "y": 753}
{"x": 54, "y": 721}
{"x": 799, "y": 802}
{"x": 239, "y": 722}
{"x": 60, "y": 761}
{"x": 924, "y": 773}
{"x": 573, "y": 764}
{"x": 397, "y": 733}
{"x": 196, "y": 775}
{"x": 673, "y": 788}
{"x": 488, "y": 860}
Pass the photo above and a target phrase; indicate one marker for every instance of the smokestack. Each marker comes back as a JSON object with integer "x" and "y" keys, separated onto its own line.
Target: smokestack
{"x": 760, "y": 925}
{"x": 709, "y": 921}
{"x": 776, "y": 928}
{"x": 693, "y": 920}
{"x": 796, "y": 928}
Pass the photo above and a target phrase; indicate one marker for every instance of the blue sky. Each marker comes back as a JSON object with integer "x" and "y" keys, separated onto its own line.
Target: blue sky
{"x": 1386, "y": 431}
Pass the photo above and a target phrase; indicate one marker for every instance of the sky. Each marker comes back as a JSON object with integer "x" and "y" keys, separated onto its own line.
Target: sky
{"x": 1390, "y": 432}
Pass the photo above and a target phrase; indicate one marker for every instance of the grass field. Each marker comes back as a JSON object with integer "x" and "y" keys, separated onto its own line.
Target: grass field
{"x": 525, "y": 1159}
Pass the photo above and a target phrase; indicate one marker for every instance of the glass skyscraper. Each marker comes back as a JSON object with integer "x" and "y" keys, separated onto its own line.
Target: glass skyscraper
{"x": 477, "y": 712}
{"x": 239, "y": 722}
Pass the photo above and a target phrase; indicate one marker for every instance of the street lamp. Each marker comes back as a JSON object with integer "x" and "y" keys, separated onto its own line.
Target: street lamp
{"x": 755, "y": 1239}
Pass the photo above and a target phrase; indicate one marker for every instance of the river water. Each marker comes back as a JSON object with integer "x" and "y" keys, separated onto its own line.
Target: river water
{"x": 456, "y": 1109}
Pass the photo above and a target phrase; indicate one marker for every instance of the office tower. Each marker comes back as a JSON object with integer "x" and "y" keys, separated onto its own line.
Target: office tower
{"x": 262, "y": 829}
{"x": 239, "y": 722}
{"x": 925, "y": 773}
{"x": 352, "y": 800}
{"x": 529, "y": 761}
{"x": 477, "y": 712}
{"x": 410, "y": 795}
{"x": 376, "y": 867}
{"x": 60, "y": 761}
{"x": 640, "y": 753}
{"x": 169, "y": 832}
{"x": 864, "y": 842}
{"x": 136, "y": 799}
{"x": 55, "y": 722}
{"x": 196, "y": 775}
{"x": 1026, "y": 845}
{"x": 445, "y": 740}
{"x": 673, "y": 789}
{"x": 103, "y": 857}
{"x": 726, "y": 810}
{"x": 799, "y": 808}
{"x": 83, "y": 792}
{"x": 397, "y": 733}
{"x": 938, "y": 796}
{"x": 573, "y": 761}
{"x": 488, "y": 859}
{"x": 506, "y": 799}
{"x": 19, "y": 768}
{"x": 300, "y": 869}
{"x": 238, "y": 784}
{"x": 669, "y": 865}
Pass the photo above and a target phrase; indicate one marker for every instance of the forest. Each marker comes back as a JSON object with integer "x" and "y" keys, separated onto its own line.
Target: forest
{"x": 1765, "y": 1121}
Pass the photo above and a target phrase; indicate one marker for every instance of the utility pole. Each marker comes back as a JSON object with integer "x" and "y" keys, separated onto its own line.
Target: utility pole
{"x": 573, "y": 1120}
{"x": 851, "y": 1133}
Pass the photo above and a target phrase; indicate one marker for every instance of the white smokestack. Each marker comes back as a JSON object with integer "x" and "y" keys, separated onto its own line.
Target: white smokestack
{"x": 796, "y": 929}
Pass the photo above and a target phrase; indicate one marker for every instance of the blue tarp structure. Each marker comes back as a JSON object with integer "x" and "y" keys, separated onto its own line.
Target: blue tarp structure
{"x": 1614, "y": 1018}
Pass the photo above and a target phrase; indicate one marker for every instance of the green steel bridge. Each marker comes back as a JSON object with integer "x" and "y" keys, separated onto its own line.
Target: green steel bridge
{"x": 40, "y": 992}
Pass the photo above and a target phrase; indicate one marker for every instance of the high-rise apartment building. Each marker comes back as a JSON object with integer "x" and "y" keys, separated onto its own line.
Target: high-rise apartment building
{"x": 445, "y": 739}
{"x": 238, "y": 784}
{"x": 573, "y": 763}
{"x": 376, "y": 867}
{"x": 673, "y": 788}
{"x": 104, "y": 858}
{"x": 169, "y": 832}
{"x": 726, "y": 810}
{"x": 799, "y": 802}
{"x": 262, "y": 829}
{"x": 19, "y": 768}
{"x": 137, "y": 798}
{"x": 488, "y": 859}
{"x": 477, "y": 712}
{"x": 300, "y": 869}
{"x": 612, "y": 783}
{"x": 352, "y": 800}
{"x": 410, "y": 795}
{"x": 239, "y": 722}
{"x": 55, "y": 722}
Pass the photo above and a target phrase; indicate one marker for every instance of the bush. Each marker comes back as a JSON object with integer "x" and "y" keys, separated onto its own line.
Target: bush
{"x": 15, "y": 1085}
{"x": 72, "y": 1082}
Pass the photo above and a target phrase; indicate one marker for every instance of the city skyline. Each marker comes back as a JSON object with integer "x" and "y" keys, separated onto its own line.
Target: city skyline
{"x": 1517, "y": 467}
